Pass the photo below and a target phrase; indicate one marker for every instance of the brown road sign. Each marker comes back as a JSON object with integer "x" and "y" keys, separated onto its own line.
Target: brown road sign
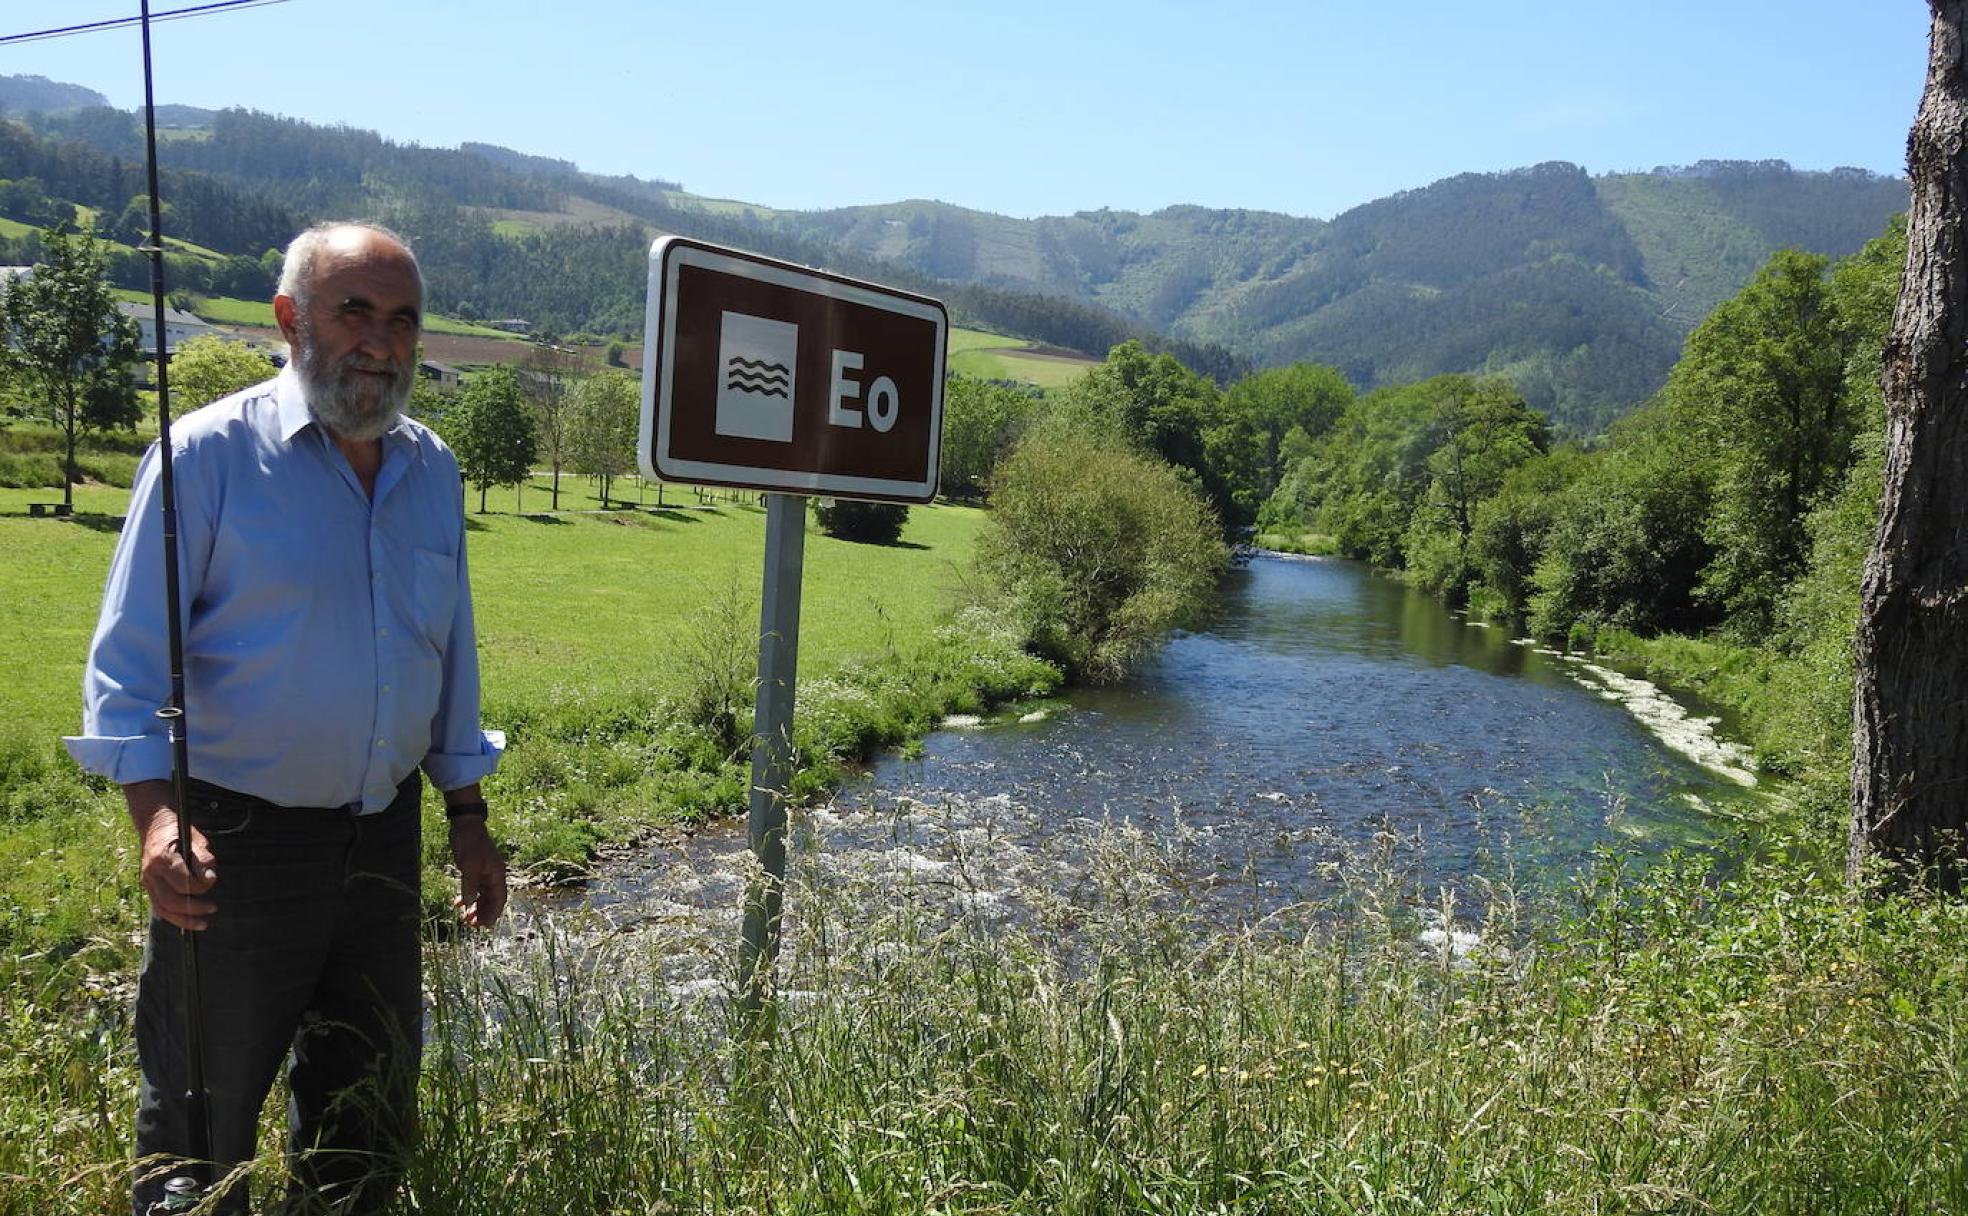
{"x": 769, "y": 376}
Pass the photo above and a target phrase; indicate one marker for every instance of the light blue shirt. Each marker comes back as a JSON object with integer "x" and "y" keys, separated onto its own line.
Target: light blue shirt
{"x": 329, "y": 648}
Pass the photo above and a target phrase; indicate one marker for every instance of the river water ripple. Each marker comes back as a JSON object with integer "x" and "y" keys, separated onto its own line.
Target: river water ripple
{"x": 1324, "y": 714}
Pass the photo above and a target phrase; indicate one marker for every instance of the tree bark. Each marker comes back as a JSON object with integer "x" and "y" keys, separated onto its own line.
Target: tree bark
{"x": 1910, "y": 713}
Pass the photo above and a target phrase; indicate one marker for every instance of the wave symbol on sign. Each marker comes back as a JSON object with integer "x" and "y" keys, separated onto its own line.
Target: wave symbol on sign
{"x": 756, "y": 376}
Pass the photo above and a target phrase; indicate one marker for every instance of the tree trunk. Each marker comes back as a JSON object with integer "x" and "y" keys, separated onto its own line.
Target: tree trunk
{"x": 68, "y": 467}
{"x": 483, "y": 486}
{"x": 1910, "y": 711}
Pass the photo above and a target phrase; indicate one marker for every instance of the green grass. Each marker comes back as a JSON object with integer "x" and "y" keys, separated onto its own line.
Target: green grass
{"x": 976, "y": 339}
{"x": 179, "y": 245}
{"x": 1311, "y": 544}
{"x": 1740, "y": 1039}
{"x": 439, "y": 324}
{"x": 1682, "y": 1043}
{"x": 15, "y": 229}
{"x": 992, "y": 357}
{"x": 513, "y": 228}
{"x": 228, "y": 310}
{"x": 717, "y": 206}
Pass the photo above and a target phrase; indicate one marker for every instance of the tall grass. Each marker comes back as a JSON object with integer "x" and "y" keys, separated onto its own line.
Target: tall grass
{"x": 1728, "y": 1039}
{"x": 1684, "y": 1042}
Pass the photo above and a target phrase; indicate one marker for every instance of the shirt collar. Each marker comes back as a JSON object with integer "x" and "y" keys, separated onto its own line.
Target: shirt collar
{"x": 296, "y": 415}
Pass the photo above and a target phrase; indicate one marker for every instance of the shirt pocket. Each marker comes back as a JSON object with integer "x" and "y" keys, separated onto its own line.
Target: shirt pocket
{"x": 437, "y": 594}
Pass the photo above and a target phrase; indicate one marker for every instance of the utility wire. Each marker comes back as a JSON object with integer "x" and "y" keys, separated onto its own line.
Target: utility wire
{"x": 115, "y": 23}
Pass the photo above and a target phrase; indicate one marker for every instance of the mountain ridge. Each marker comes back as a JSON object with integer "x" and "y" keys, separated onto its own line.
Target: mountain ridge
{"x": 1579, "y": 286}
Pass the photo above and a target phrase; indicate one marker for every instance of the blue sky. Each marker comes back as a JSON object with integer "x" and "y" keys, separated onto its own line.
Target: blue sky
{"x": 1047, "y": 108}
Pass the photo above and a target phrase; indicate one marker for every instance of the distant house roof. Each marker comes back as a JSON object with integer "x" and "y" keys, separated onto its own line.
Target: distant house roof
{"x": 172, "y": 316}
{"x": 444, "y": 368}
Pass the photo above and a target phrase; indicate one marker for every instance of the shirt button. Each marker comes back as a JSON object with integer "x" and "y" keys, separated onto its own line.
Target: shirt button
{"x": 382, "y": 743}
{"x": 382, "y": 633}
{"x": 386, "y": 688}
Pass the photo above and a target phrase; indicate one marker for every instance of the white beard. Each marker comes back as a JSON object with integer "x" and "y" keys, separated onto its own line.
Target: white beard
{"x": 353, "y": 406}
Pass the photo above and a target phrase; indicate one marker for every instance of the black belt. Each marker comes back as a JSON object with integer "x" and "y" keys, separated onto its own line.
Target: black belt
{"x": 219, "y": 795}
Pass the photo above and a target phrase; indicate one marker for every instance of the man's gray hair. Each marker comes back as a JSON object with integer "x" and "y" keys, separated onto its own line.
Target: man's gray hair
{"x": 297, "y": 268}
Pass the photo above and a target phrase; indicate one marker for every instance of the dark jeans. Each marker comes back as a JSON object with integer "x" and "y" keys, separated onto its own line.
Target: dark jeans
{"x": 313, "y": 955}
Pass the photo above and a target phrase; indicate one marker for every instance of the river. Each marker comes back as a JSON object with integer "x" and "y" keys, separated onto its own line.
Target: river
{"x": 1325, "y": 717}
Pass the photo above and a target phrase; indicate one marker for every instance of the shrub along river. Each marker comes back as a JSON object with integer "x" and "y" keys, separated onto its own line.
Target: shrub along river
{"x": 1325, "y": 717}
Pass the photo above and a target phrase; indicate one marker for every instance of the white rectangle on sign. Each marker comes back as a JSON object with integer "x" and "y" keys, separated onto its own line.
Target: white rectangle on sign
{"x": 756, "y": 359}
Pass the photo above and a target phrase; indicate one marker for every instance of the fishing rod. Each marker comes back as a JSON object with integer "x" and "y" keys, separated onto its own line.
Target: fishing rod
{"x": 191, "y": 1177}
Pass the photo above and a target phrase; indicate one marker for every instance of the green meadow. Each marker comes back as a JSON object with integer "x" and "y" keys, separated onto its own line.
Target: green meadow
{"x": 990, "y": 356}
{"x": 575, "y": 604}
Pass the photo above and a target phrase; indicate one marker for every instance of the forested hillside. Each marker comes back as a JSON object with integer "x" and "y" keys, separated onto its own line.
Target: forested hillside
{"x": 1579, "y": 289}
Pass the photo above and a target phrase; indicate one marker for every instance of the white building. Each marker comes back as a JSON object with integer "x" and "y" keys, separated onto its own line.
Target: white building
{"x": 179, "y": 327}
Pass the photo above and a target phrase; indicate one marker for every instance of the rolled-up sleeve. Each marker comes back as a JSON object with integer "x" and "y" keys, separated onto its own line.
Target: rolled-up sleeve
{"x": 128, "y": 676}
{"x": 462, "y": 752}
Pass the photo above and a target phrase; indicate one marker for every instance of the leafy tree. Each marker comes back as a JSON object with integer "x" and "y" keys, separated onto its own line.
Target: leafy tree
{"x": 1484, "y": 431}
{"x": 492, "y": 430}
{"x": 603, "y": 412}
{"x": 1098, "y": 549}
{"x": 1626, "y": 545}
{"x": 209, "y": 367}
{"x": 871, "y": 523}
{"x": 1151, "y": 400}
{"x": 1306, "y": 398}
{"x": 1163, "y": 409}
{"x": 1762, "y": 383}
{"x": 549, "y": 373}
{"x": 1511, "y": 527}
{"x": 1365, "y": 479}
{"x": 65, "y": 338}
{"x": 981, "y": 420}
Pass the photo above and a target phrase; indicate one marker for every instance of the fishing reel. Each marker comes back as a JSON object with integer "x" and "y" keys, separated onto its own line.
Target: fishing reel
{"x": 182, "y": 1193}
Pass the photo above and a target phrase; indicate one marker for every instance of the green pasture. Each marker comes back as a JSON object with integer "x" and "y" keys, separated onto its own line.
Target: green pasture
{"x": 230, "y": 310}
{"x": 1045, "y": 373}
{"x": 962, "y": 340}
{"x": 989, "y": 356}
{"x": 717, "y": 206}
{"x": 180, "y": 245}
{"x": 15, "y": 229}
{"x": 584, "y": 604}
{"x": 437, "y": 323}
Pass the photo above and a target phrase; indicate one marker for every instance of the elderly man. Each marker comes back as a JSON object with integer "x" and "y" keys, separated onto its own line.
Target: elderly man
{"x": 329, "y": 655}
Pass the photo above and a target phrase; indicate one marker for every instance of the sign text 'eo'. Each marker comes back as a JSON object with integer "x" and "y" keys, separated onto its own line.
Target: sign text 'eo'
{"x": 765, "y": 375}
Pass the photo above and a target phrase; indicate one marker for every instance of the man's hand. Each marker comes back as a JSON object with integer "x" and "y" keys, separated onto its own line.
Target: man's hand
{"x": 481, "y": 872}
{"x": 174, "y": 888}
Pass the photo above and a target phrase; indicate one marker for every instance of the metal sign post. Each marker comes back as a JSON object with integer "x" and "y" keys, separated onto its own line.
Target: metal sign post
{"x": 772, "y": 748}
{"x": 764, "y": 375}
